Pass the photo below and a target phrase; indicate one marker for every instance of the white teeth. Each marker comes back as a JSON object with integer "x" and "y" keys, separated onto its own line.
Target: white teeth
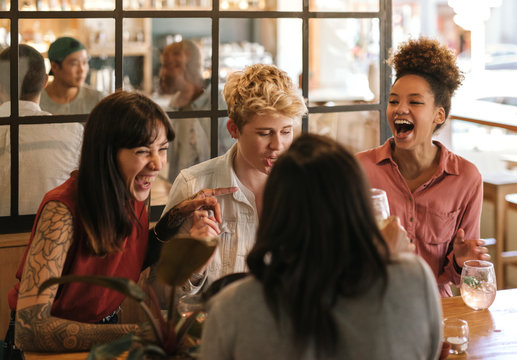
{"x": 400, "y": 122}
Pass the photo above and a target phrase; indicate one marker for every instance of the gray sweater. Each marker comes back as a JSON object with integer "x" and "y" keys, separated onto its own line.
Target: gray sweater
{"x": 404, "y": 324}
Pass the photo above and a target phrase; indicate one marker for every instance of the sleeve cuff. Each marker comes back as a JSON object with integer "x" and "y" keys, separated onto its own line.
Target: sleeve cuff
{"x": 456, "y": 266}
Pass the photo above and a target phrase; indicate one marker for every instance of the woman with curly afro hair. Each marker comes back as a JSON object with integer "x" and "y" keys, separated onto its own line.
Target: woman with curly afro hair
{"x": 436, "y": 194}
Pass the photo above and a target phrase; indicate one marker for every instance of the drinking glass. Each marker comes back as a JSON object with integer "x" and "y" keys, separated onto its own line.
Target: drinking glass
{"x": 478, "y": 285}
{"x": 381, "y": 208}
{"x": 456, "y": 334}
{"x": 188, "y": 304}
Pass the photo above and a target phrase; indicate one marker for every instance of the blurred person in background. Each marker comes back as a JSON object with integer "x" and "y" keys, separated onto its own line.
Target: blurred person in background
{"x": 48, "y": 153}
{"x": 183, "y": 88}
{"x": 67, "y": 93}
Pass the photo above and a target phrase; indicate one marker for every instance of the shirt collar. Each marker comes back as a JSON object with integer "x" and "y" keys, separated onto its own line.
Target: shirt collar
{"x": 448, "y": 161}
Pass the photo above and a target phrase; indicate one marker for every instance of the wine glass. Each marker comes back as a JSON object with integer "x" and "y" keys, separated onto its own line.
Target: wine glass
{"x": 478, "y": 286}
{"x": 381, "y": 208}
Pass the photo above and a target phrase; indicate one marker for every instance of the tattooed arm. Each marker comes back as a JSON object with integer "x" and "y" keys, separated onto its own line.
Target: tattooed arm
{"x": 36, "y": 329}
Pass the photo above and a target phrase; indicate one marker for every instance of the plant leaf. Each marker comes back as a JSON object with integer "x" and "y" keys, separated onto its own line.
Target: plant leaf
{"x": 111, "y": 350}
{"x": 181, "y": 256}
{"x": 472, "y": 282}
{"x": 122, "y": 285}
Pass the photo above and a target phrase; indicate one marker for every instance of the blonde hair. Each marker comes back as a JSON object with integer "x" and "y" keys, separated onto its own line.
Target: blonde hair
{"x": 261, "y": 89}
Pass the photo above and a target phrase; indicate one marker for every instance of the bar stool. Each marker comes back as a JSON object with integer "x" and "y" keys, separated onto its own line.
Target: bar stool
{"x": 495, "y": 188}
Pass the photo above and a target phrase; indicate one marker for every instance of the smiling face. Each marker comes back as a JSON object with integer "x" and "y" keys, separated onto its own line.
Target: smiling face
{"x": 173, "y": 69}
{"x": 411, "y": 112}
{"x": 262, "y": 139}
{"x": 73, "y": 69}
{"x": 139, "y": 166}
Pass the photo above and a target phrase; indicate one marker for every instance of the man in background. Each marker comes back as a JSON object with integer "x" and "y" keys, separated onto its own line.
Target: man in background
{"x": 47, "y": 152}
{"x": 67, "y": 93}
{"x": 181, "y": 80}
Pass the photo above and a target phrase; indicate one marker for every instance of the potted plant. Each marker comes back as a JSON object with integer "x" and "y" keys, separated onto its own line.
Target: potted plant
{"x": 180, "y": 257}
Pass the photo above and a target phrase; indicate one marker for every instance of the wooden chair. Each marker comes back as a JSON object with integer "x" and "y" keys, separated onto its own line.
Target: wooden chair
{"x": 495, "y": 188}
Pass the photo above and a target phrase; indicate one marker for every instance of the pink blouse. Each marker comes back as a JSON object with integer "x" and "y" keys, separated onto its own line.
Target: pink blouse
{"x": 434, "y": 212}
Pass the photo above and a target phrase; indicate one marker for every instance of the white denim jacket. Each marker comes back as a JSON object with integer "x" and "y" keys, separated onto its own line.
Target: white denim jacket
{"x": 239, "y": 215}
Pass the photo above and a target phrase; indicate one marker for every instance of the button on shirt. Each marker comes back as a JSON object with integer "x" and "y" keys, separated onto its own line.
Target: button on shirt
{"x": 434, "y": 212}
{"x": 238, "y": 210}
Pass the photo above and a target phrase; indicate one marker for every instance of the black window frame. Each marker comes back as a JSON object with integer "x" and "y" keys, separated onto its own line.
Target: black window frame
{"x": 23, "y": 223}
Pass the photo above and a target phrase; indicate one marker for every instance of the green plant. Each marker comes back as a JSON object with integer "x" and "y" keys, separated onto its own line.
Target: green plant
{"x": 180, "y": 257}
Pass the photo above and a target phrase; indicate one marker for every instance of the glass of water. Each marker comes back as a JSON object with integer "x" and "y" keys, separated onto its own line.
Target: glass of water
{"x": 478, "y": 285}
{"x": 381, "y": 208}
{"x": 456, "y": 334}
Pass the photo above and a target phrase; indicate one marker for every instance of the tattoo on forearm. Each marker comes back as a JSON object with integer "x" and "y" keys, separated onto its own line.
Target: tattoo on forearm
{"x": 36, "y": 330}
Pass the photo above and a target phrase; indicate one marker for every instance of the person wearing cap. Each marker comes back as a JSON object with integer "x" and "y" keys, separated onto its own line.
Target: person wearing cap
{"x": 48, "y": 153}
{"x": 67, "y": 93}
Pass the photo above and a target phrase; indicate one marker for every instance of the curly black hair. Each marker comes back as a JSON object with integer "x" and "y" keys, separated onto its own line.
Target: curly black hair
{"x": 434, "y": 62}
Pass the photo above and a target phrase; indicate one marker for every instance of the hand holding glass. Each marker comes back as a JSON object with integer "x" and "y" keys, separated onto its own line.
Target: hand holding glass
{"x": 381, "y": 208}
{"x": 478, "y": 285}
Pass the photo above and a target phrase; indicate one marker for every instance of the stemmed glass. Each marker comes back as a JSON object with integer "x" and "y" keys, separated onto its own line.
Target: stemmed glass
{"x": 381, "y": 208}
{"x": 478, "y": 285}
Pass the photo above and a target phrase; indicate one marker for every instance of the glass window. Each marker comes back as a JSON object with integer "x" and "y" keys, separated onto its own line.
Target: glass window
{"x": 330, "y": 50}
{"x": 344, "y": 5}
{"x": 190, "y": 146}
{"x": 177, "y": 76}
{"x": 5, "y": 170}
{"x": 260, "y": 5}
{"x": 5, "y": 83}
{"x": 65, "y": 5}
{"x": 357, "y": 130}
{"x": 78, "y": 78}
{"x": 269, "y": 41}
{"x": 343, "y": 61}
{"x": 48, "y": 153}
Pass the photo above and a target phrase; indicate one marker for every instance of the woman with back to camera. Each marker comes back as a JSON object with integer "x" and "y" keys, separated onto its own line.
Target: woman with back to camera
{"x": 323, "y": 284}
{"x": 436, "y": 194}
{"x": 96, "y": 223}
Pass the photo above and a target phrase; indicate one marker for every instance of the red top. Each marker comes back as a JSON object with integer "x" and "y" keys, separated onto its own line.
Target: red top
{"x": 432, "y": 213}
{"x": 85, "y": 302}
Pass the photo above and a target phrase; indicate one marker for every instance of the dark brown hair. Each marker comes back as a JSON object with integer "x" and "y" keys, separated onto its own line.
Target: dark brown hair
{"x": 122, "y": 120}
{"x": 434, "y": 62}
{"x": 317, "y": 239}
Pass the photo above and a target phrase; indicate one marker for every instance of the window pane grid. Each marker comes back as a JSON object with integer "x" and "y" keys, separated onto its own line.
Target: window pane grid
{"x": 214, "y": 12}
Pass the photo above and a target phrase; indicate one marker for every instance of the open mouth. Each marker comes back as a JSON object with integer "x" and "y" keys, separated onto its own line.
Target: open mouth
{"x": 144, "y": 181}
{"x": 270, "y": 161}
{"x": 403, "y": 126}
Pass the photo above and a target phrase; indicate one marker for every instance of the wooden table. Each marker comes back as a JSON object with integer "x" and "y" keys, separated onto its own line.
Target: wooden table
{"x": 493, "y": 332}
